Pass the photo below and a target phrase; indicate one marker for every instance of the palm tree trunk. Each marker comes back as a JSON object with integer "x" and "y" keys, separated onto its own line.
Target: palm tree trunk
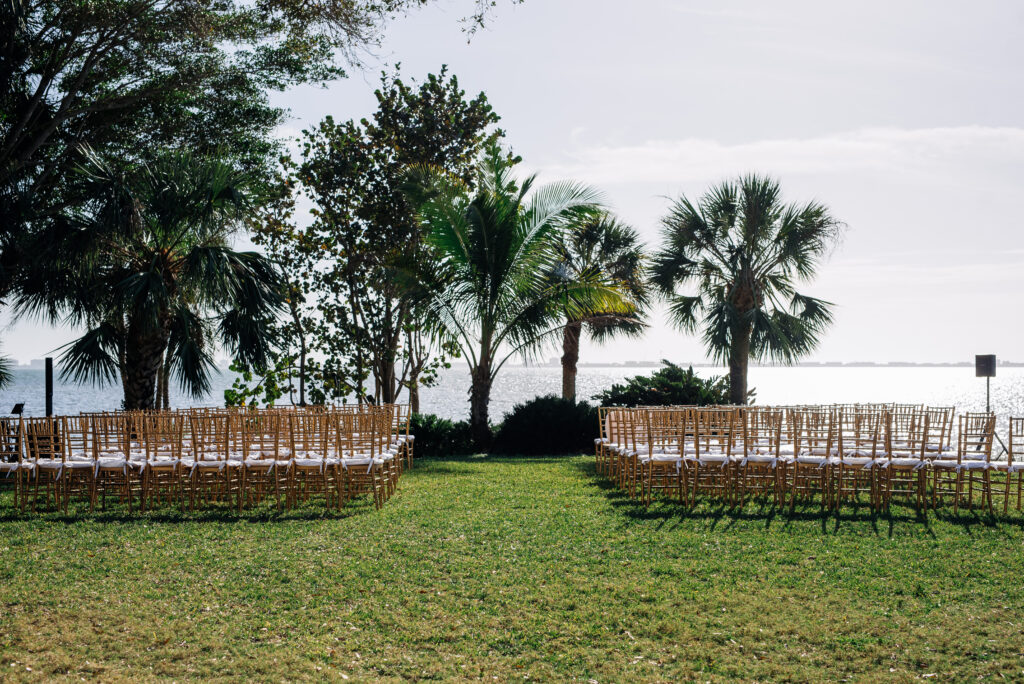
{"x": 479, "y": 399}
{"x": 739, "y": 357}
{"x": 165, "y": 385}
{"x": 570, "y": 357}
{"x": 143, "y": 363}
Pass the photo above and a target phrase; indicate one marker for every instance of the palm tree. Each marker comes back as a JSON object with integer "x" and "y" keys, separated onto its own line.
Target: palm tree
{"x": 146, "y": 266}
{"x": 744, "y": 252}
{"x": 488, "y": 285}
{"x": 601, "y": 245}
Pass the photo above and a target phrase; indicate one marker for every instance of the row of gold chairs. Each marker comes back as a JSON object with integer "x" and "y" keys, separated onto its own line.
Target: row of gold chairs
{"x": 838, "y": 453}
{"x": 201, "y": 457}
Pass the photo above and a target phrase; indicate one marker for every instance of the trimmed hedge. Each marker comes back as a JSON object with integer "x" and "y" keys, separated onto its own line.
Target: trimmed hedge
{"x": 440, "y": 437}
{"x": 547, "y": 425}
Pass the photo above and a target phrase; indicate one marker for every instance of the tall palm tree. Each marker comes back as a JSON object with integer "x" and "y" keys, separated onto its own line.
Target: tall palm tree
{"x": 743, "y": 252}
{"x": 488, "y": 285}
{"x": 147, "y": 267}
{"x": 601, "y": 245}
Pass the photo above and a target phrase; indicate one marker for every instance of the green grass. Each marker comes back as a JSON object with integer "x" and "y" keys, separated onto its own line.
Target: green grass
{"x": 512, "y": 570}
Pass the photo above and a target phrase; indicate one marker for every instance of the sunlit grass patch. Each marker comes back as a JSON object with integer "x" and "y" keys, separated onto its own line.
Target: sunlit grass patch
{"x": 516, "y": 569}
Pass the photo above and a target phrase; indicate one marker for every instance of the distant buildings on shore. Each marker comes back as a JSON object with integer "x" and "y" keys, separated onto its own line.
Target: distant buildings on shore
{"x": 556, "y": 362}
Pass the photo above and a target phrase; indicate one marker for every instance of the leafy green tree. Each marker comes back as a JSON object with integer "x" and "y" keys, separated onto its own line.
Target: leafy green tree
{"x": 147, "y": 268}
{"x": 744, "y": 251}
{"x": 601, "y": 245}
{"x": 490, "y": 285}
{"x": 127, "y": 76}
{"x": 356, "y": 175}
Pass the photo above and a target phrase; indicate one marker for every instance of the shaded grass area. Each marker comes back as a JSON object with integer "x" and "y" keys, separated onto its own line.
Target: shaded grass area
{"x": 529, "y": 569}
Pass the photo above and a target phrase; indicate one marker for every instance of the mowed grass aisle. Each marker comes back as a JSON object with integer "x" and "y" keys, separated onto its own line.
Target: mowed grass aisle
{"x": 511, "y": 570}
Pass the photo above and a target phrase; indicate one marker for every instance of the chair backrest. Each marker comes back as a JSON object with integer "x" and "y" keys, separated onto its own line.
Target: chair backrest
{"x": 907, "y": 434}
{"x": 814, "y": 431}
{"x": 309, "y": 432}
{"x": 762, "y": 430}
{"x": 861, "y": 431}
{"x": 109, "y": 433}
{"x": 78, "y": 436}
{"x": 715, "y": 431}
{"x": 162, "y": 434}
{"x": 43, "y": 439}
{"x": 1015, "y": 440}
{"x": 974, "y": 439}
{"x": 11, "y": 440}
{"x": 665, "y": 430}
{"x": 940, "y": 429}
{"x": 210, "y": 436}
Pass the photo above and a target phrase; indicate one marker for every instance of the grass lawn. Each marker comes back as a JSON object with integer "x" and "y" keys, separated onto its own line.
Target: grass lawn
{"x": 512, "y": 570}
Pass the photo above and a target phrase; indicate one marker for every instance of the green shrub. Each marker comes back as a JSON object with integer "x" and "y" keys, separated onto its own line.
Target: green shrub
{"x": 668, "y": 386}
{"x": 547, "y": 425}
{"x": 440, "y": 437}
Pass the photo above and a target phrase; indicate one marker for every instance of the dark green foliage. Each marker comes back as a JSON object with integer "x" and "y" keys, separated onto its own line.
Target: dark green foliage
{"x": 548, "y": 425}
{"x": 668, "y": 386}
{"x": 439, "y": 438}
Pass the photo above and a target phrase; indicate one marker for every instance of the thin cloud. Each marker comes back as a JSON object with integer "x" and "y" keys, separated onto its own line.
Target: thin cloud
{"x": 875, "y": 150}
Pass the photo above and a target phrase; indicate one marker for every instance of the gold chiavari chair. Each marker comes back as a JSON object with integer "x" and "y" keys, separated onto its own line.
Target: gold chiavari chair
{"x": 45, "y": 452}
{"x": 618, "y": 424}
{"x": 309, "y": 474}
{"x": 13, "y": 465}
{"x": 79, "y": 475}
{"x": 631, "y": 432}
{"x": 401, "y": 440}
{"x": 602, "y": 442}
{"x": 971, "y": 464}
{"x": 814, "y": 433}
{"x": 710, "y": 464}
{"x": 661, "y": 459}
{"x": 760, "y": 469}
{"x": 210, "y": 476}
{"x": 362, "y": 472}
{"x": 941, "y": 421}
{"x": 1013, "y": 466}
{"x": 861, "y": 442}
{"x": 162, "y": 481}
{"x": 902, "y": 470}
{"x": 113, "y": 475}
{"x": 267, "y": 460}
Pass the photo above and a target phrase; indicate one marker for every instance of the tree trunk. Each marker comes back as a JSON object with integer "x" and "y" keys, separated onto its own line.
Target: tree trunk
{"x": 479, "y": 399}
{"x": 165, "y": 385}
{"x": 144, "y": 356}
{"x": 570, "y": 356}
{"x": 414, "y": 391}
{"x": 739, "y": 356}
{"x": 300, "y": 333}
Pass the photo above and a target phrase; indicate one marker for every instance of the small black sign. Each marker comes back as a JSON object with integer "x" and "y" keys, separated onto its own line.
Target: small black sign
{"x": 985, "y": 366}
{"x": 18, "y": 409}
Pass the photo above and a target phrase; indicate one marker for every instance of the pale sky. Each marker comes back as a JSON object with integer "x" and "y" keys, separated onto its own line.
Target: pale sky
{"x": 906, "y": 118}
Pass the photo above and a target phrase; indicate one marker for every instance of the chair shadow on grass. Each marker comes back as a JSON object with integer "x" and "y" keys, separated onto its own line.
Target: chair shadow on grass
{"x": 671, "y": 513}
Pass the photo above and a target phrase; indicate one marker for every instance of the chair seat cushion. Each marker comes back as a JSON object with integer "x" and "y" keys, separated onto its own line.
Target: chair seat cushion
{"x": 111, "y": 462}
{"x": 260, "y": 463}
{"x": 308, "y": 462}
{"x": 859, "y": 461}
{"x": 902, "y": 462}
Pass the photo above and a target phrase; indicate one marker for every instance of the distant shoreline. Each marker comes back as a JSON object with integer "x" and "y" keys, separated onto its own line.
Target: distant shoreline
{"x": 811, "y": 364}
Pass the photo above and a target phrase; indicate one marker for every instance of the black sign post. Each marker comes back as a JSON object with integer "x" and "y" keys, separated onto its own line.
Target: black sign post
{"x": 985, "y": 367}
{"x": 49, "y": 386}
